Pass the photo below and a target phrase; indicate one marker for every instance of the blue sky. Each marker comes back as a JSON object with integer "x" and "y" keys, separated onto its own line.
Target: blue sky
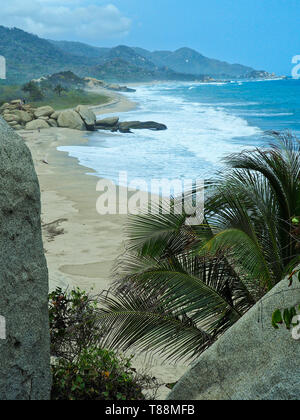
{"x": 264, "y": 34}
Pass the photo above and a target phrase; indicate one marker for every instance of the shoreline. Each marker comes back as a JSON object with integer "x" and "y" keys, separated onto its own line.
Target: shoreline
{"x": 62, "y": 182}
{"x": 81, "y": 245}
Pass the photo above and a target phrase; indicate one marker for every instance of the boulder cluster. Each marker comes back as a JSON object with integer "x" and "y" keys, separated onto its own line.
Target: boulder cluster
{"x": 24, "y": 116}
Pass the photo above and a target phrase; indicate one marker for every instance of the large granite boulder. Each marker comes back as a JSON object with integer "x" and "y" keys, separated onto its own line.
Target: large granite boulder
{"x": 24, "y": 343}
{"x": 36, "y": 125}
{"x": 24, "y": 117}
{"x": 43, "y": 111}
{"x": 138, "y": 125}
{"x": 11, "y": 117}
{"x": 52, "y": 122}
{"x": 88, "y": 116}
{"x": 71, "y": 119}
{"x": 55, "y": 115}
{"x": 252, "y": 361}
{"x": 107, "y": 122}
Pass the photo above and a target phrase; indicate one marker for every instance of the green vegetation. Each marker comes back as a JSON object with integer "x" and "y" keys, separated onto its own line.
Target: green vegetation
{"x": 181, "y": 287}
{"x": 71, "y": 99}
{"x": 287, "y": 316}
{"x": 96, "y": 375}
{"x": 83, "y": 369}
{"x": 30, "y": 57}
{"x": 47, "y": 95}
{"x": 9, "y": 93}
{"x": 34, "y": 91}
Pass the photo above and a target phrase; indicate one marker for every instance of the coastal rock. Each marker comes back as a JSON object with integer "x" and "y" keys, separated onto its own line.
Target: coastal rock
{"x": 124, "y": 130}
{"x": 55, "y": 115}
{"x": 137, "y": 125}
{"x": 252, "y": 360}
{"x": 43, "y": 111}
{"x": 118, "y": 88}
{"x": 88, "y": 116}
{"x": 52, "y": 123}
{"x": 25, "y": 348}
{"x": 4, "y": 106}
{"x": 36, "y": 125}
{"x": 71, "y": 119}
{"x": 11, "y": 117}
{"x": 24, "y": 117}
{"x": 108, "y": 122}
{"x": 13, "y": 123}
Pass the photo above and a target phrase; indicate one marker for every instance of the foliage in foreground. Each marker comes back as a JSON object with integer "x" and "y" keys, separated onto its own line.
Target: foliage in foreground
{"x": 95, "y": 375}
{"x": 82, "y": 369}
{"x": 180, "y": 287}
{"x": 288, "y": 316}
{"x": 74, "y": 325}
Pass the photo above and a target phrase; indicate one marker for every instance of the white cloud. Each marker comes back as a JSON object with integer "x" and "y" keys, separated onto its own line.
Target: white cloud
{"x": 66, "y": 19}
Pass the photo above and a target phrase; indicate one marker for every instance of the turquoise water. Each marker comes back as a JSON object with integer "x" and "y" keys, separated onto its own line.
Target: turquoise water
{"x": 205, "y": 122}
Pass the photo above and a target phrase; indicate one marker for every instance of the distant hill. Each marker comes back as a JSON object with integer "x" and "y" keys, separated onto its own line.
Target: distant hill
{"x": 119, "y": 70}
{"x": 186, "y": 60}
{"x": 80, "y": 49}
{"x": 30, "y": 57}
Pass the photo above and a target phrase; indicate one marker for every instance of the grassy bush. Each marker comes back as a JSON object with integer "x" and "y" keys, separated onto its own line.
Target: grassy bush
{"x": 82, "y": 369}
{"x": 73, "y": 323}
{"x": 9, "y": 93}
{"x": 71, "y": 99}
{"x": 96, "y": 375}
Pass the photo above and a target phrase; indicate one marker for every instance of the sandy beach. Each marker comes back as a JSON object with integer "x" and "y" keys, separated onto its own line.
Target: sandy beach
{"x": 81, "y": 245}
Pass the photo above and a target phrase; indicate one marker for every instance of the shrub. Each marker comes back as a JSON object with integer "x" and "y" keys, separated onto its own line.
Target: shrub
{"x": 82, "y": 369}
{"x": 96, "y": 375}
{"x": 73, "y": 323}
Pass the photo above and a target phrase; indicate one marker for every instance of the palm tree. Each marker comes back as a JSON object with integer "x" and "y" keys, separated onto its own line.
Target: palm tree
{"x": 180, "y": 287}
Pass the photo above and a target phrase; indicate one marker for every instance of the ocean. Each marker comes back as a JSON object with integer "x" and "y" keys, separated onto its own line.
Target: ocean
{"x": 205, "y": 123}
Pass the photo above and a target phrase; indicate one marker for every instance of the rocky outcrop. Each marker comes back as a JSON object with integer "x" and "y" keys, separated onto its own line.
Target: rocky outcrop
{"x": 107, "y": 122}
{"x": 137, "y": 125}
{"x": 114, "y": 125}
{"x": 37, "y": 125}
{"x": 43, "y": 111}
{"x": 95, "y": 83}
{"x": 19, "y": 116}
{"x": 71, "y": 119}
{"x": 55, "y": 115}
{"x": 24, "y": 117}
{"x": 118, "y": 88}
{"x": 24, "y": 345}
{"x": 52, "y": 122}
{"x": 252, "y": 361}
{"x": 88, "y": 116}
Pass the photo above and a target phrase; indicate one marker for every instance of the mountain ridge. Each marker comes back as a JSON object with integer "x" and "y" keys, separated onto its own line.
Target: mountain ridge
{"x": 29, "y": 56}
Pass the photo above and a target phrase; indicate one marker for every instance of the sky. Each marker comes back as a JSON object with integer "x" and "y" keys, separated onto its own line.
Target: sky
{"x": 264, "y": 34}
